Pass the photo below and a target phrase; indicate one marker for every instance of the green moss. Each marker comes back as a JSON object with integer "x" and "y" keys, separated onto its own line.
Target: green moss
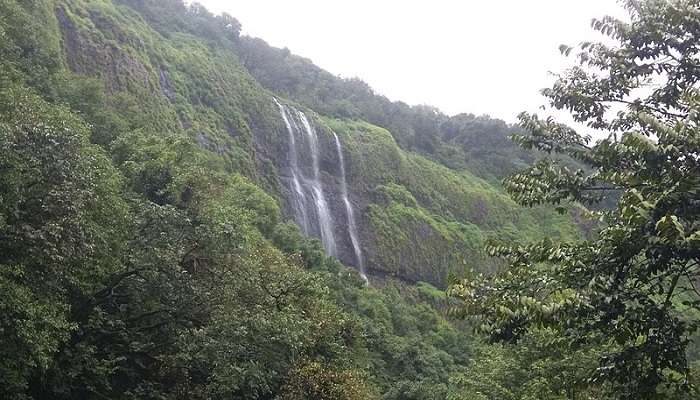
{"x": 427, "y": 221}
{"x": 375, "y": 158}
{"x": 413, "y": 244}
{"x": 394, "y": 192}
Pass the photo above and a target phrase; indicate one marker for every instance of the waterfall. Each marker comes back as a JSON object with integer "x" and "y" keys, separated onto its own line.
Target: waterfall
{"x": 352, "y": 225}
{"x": 299, "y": 195}
{"x": 309, "y": 204}
{"x": 304, "y": 188}
{"x": 325, "y": 220}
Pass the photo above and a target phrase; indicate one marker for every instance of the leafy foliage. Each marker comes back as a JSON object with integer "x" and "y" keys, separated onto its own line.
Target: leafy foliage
{"x": 144, "y": 252}
{"x": 426, "y": 221}
{"x": 630, "y": 291}
{"x": 139, "y": 256}
{"x": 538, "y": 368}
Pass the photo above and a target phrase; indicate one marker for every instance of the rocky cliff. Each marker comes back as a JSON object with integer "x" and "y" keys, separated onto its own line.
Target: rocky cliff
{"x": 414, "y": 214}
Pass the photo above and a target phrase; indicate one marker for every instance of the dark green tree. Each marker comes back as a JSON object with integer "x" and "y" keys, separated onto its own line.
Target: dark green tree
{"x": 633, "y": 289}
{"x": 62, "y": 230}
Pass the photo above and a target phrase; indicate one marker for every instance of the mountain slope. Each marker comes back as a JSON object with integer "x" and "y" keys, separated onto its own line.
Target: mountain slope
{"x": 465, "y": 141}
{"x": 149, "y": 243}
{"x": 177, "y": 70}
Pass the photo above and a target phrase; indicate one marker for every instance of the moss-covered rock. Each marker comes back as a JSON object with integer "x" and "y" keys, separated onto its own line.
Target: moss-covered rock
{"x": 168, "y": 73}
{"x": 423, "y": 221}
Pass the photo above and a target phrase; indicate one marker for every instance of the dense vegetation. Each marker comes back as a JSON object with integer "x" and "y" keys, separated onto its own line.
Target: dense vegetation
{"x": 629, "y": 296}
{"x": 429, "y": 225}
{"x": 116, "y": 285}
{"x": 143, "y": 249}
{"x": 146, "y": 250}
{"x": 458, "y": 142}
{"x": 137, "y": 263}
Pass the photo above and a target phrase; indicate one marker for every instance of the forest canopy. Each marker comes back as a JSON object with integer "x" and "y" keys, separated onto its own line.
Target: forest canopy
{"x": 147, "y": 248}
{"x": 631, "y": 292}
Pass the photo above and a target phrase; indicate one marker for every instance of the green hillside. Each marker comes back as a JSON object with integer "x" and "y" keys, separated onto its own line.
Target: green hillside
{"x": 426, "y": 221}
{"x": 163, "y": 69}
{"x": 148, "y": 242}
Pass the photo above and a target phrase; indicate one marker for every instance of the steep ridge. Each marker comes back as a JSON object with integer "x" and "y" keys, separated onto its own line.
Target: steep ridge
{"x": 459, "y": 142}
{"x": 153, "y": 207}
{"x": 373, "y": 204}
{"x": 422, "y": 221}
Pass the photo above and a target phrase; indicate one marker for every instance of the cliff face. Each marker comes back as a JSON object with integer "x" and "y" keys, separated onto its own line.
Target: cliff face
{"x": 414, "y": 218}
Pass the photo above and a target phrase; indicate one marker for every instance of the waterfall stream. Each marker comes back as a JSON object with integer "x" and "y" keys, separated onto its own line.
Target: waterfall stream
{"x": 325, "y": 219}
{"x": 304, "y": 187}
{"x": 299, "y": 195}
{"x": 352, "y": 224}
{"x": 309, "y": 205}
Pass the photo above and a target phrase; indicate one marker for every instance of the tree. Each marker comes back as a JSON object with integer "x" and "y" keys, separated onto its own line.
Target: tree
{"x": 633, "y": 290}
{"x": 62, "y": 226}
{"x": 316, "y": 381}
{"x": 537, "y": 368}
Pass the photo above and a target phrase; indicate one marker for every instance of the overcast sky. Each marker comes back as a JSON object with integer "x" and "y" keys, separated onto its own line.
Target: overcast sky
{"x": 482, "y": 57}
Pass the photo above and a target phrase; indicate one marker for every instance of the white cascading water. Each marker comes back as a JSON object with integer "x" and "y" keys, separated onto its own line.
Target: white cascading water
{"x": 352, "y": 225}
{"x": 305, "y": 188}
{"x": 299, "y": 195}
{"x": 325, "y": 219}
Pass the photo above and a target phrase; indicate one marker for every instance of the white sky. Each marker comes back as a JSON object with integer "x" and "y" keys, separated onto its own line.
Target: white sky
{"x": 477, "y": 56}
